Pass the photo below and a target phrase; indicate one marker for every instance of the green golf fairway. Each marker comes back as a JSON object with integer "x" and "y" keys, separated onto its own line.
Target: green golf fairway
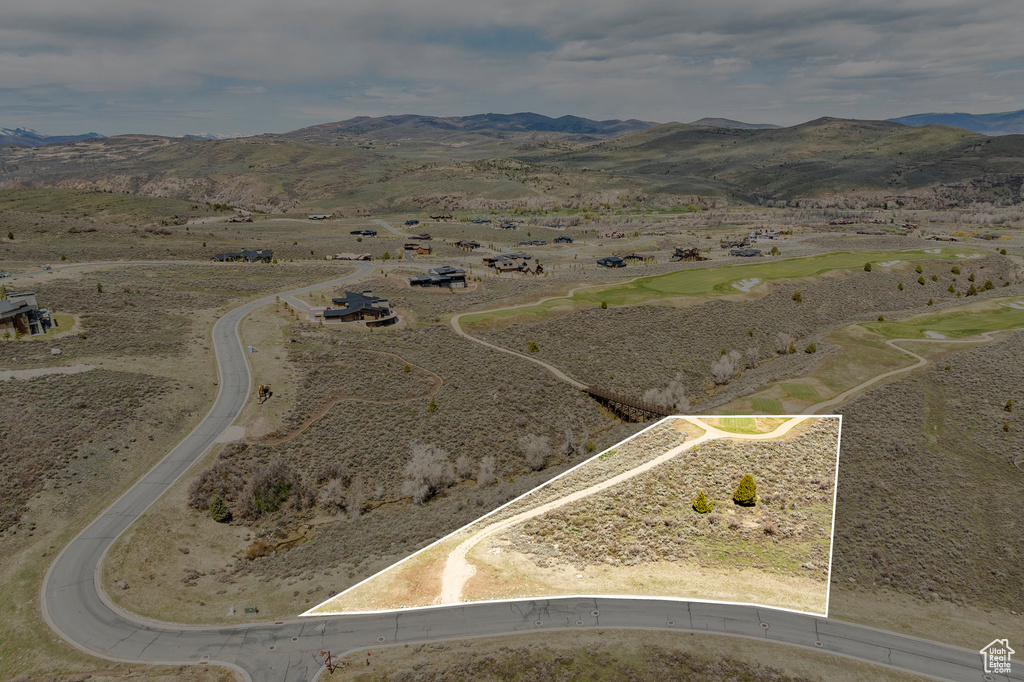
{"x": 718, "y": 281}
{"x": 954, "y": 324}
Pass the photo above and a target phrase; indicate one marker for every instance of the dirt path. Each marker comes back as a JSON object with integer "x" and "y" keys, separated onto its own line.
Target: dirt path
{"x": 42, "y": 372}
{"x": 458, "y": 570}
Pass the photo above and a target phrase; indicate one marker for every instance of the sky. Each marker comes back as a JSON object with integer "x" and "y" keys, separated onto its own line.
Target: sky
{"x": 252, "y": 66}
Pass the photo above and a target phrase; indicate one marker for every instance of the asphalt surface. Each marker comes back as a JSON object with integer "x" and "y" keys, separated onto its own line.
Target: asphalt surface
{"x": 80, "y": 612}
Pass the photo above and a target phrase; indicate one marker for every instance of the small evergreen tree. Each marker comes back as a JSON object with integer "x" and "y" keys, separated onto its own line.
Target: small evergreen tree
{"x": 900, "y": 287}
{"x": 532, "y": 347}
{"x": 931, "y": 302}
{"x": 811, "y": 347}
{"x": 99, "y": 288}
{"x": 604, "y": 305}
{"x": 951, "y": 289}
{"x": 746, "y": 492}
{"x": 1009, "y": 405}
{"x": 219, "y": 511}
{"x": 701, "y": 504}
{"x": 918, "y": 269}
{"x": 432, "y": 405}
{"x": 973, "y": 291}
{"x": 971, "y": 278}
{"x": 10, "y": 236}
{"x": 955, "y": 269}
{"x": 798, "y": 297}
{"x": 920, "y": 280}
{"x": 867, "y": 267}
{"x": 988, "y": 285}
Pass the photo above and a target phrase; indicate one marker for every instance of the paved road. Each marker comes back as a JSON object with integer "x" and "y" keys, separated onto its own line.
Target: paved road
{"x": 77, "y": 609}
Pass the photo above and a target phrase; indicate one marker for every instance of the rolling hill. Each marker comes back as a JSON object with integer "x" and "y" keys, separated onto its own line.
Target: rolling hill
{"x": 26, "y": 137}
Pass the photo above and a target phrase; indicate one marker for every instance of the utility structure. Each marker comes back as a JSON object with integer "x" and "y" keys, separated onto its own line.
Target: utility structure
{"x": 328, "y": 661}
{"x": 264, "y": 393}
{"x": 626, "y": 408}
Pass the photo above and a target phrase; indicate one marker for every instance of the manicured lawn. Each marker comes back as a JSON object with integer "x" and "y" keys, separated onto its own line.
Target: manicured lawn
{"x": 802, "y": 392}
{"x": 767, "y": 405}
{"x": 954, "y": 324}
{"x": 718, "y": 281}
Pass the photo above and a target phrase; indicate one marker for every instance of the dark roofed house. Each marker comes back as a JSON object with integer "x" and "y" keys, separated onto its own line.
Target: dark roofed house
{"x": 563, "y": 240}
{"x": 419, "y": 249}
{"x": 533, "y": 242}
{"x": 422, "y": 237}
{"x": 321, "y": 216}
{"x": 733, "y": 243}
{"x": 509, "y": 225}
{"x": 444, "y": 276}
{"x": 361, "y": 307}
{"x": 246, "y": 255}
{"x": 20, "y": 314}
{"x": 412, "y": 222}
{"x": 689, "y": 253}
{"x": 480, "y": 221}
{"x": 745, "y": 253}
{"x": 468, "y": 245}
{"x": 634, "y": 256}
{"x": 364, "y": 233}
{"x": 611, "y": 262}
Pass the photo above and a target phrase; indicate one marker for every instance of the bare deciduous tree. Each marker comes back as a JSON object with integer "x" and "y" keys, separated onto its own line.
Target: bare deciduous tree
{"x": 723, "y": 369}
{"x": 486, "y": 476}
{"x": 671, "y": 397}
{"x": 356, "y": 498}
{"x": 535, "y": 450}
{"x": 782, "y": 342}
{"x": 465, "y": 467}
{"x": 428, "y": 471}
{"x": 569, "y": 446}
{"x": 752, "y": 356}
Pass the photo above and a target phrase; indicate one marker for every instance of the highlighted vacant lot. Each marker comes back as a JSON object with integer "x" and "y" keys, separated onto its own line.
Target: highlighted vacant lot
{"x": 712, "y": 281}
{"x": 660, "y": 515}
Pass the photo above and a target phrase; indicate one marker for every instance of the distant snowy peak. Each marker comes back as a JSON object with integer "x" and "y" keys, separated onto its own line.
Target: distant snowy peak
{"x": 212, "y": 136}
{"x": 26, "y": 137}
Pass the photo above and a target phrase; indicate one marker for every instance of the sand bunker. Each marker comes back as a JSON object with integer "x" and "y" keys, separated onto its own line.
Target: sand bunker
{"x": 889, "y": 263}
{"x": 1018, "y": 305}
{"x": 934, "y": 335}
{"x": 745, "y": 285}
{"x": 964, "y": 255}
{"x": 933, "y": 250}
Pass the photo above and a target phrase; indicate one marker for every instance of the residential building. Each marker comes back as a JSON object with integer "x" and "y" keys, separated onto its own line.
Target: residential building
{"x": 361, "y": 307}
{"x": 444, "y": 276}
{"x": 611, "y": 262}
{"x": 20, "y": 314}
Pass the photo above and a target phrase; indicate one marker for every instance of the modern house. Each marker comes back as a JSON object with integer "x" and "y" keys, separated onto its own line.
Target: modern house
{"x": 533, "y": 242}
{"x": 321, "y": 216}
{"x": 419, "y": 249}
{"x": 245, "y": 256}
{"x": 361, "y": 307}
{"x": 745, "y": 253}
{"x": 480, "y": 221}
{"x": 611, "y": 262}
{"x": 20, "y": 314}
{"x": 509, "y": 225}
{"x": 350, "y": 256}
{"x": 411, "y": 222}
{"x": 563, "y": 240}
{"x": 733, "y": 243}
{"x": 364, "y": 233}
{"x": 633, "y": 256}
{"x": 467, "y": 245}
{"x": 441, "y": 216}
{"x": 687, "y": 253}
{"x": 444, "y": 276}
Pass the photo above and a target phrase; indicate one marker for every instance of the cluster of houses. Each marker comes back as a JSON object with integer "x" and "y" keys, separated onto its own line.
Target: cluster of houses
{"x": 444, "y": 276}
{"x": 21, "y": 314}
{"x": 245, "y": 256}
{"x": 364, "y": 307}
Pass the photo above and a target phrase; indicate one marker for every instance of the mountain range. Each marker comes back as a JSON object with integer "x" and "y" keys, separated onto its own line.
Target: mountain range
{"x": 1005, "y": 123}
{"x": 26, "y": 137}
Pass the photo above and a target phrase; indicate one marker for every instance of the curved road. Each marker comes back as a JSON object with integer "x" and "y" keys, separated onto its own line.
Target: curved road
{"x": 76, "y": 608}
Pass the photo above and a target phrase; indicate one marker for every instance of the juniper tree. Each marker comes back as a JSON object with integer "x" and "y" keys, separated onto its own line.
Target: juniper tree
{"x": 746, "y": 492}
{"x": 701, "y": 504}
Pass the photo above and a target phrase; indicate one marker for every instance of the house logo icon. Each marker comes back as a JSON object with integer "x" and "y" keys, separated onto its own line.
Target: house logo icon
{"x": 996, "y": 656}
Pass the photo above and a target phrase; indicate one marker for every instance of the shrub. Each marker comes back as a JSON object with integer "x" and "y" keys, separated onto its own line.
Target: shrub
{"x": 811, "y": 347}
{"x": 867, "y": 267}
{"x": 270, "y": 487}
{"x": 931, "y": 302}
{"x": 219, "y": 511}
{"x": 429, "y": 471}
{"x": 746, "y": 492}
{"x": 881, "y": 318}
{"x": 407, "y": 368}
{"x": 973, "y": 291}
{"x": 1009, "y": 405}
{"x": 702, "y": 505}
{"x": 532, "y": 347}
{"x": 485, "y": 475}
{"x": 951, "y": 289}
{"x": 465, "y": 467}
{"x": 935, "y": 278}
{"x": 10, "y": 236}
{"x": 988, "y": 285}
{"x": 955, "y": 269}
{"x": 918, "y": 269}
{"x": 900, "y": 286}
{"x": 99, "y": 288}
{"x": 920, "y": 280}
{"x": 798, "y": 297}
{"x": 63, "y": 257}
{"x": 432, "y": 405}
{"x": 604, "y": 305}
{"x": 1002, "y": 251}
{"x": 590, "y": 446}
{"x": 1006, "y": 427}
{"x": 971, "y": 278}
{"x": 783, "y": 342}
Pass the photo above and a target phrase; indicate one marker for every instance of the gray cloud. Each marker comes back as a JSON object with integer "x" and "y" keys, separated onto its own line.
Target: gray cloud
{"x": 267, "y": 65}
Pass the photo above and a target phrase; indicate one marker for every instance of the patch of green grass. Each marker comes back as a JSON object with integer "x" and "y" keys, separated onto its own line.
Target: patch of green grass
{"x": 802, "y": 392}
{"x": 714, "y": 281}
{"x": 954, "y": 324}
{"x": 96, "y": 204}
{"x": 766, "y": 405}
{"x": 739, "y": 425}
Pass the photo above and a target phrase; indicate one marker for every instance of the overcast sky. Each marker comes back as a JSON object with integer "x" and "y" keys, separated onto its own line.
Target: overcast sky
{"x": 249, "y": 66}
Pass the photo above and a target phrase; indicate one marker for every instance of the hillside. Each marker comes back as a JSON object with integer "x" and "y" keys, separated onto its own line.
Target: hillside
{"x": 729, "y": 123}
{"x": 1005, "y": 123}
{"x": 825, "y": 156}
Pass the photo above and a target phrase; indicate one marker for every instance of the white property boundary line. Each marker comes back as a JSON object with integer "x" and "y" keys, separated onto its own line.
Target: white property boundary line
{"x": 828, "y": 589}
